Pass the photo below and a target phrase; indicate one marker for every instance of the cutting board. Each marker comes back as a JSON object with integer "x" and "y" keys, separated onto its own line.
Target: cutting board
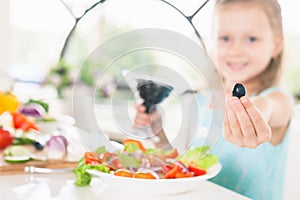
{"x": 18, "y": 168}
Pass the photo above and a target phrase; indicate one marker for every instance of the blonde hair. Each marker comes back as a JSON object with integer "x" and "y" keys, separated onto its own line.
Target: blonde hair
{"x": 271, "y": 75}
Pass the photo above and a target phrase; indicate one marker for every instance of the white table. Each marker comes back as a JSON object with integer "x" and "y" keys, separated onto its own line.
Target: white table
{"x": 61, "y": 187}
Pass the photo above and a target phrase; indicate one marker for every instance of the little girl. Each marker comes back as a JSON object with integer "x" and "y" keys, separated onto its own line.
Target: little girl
{"x": 247, "y": 48}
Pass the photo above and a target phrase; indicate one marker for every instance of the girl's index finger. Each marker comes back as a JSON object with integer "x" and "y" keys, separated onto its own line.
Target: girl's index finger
{"x": 262, "y": 129}
{"x": 140, "y": 108}
{"x": 243, "y": 118}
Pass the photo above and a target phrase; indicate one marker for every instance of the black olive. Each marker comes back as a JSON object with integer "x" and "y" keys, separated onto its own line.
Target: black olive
{"x": 239, "y": 90}
{"x": 38, "y": 145}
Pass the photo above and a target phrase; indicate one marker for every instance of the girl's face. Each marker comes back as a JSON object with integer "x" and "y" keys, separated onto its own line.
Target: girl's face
{"x": 243, "y": 41}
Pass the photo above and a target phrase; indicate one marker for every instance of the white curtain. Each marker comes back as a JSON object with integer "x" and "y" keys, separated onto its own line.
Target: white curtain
{"x": 4, "y": 36}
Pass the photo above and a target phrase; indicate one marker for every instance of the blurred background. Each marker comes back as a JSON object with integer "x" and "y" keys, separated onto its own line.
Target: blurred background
{"x": 33, "y": 34}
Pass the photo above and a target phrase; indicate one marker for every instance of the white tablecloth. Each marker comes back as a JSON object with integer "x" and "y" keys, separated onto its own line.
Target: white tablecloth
{"x": 61, "y": 187}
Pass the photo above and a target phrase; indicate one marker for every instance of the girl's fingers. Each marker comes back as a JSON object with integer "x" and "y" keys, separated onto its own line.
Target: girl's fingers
{"x": 142, "y": 119}
{"x": 140, "y": 108}
{"x": 141, "y": 124}
{"x": 262, "y": 129}
{"x": 233, "y": 121}
{"x": 226, "y": 130}
{"x": 244, "y": 120}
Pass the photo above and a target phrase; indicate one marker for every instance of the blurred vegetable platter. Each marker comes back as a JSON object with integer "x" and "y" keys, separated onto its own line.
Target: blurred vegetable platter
{"x": 136, "y": 161}
{"x": 20, "y": 127}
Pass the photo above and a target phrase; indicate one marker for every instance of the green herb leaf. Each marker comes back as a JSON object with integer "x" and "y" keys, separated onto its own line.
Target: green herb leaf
{"x": 200, "y": 157}
{"x": 129, "y": 161}
{"x": 43, "y": 104}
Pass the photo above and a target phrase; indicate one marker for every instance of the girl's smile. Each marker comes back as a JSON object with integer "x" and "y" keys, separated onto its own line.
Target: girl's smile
{"x": 236, "y": 65}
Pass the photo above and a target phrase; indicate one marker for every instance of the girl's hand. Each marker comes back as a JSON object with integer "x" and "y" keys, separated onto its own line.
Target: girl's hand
{"x": 153, "y": 119}
{"x": 244, "y": 125}
{"x": 143, "y": 119}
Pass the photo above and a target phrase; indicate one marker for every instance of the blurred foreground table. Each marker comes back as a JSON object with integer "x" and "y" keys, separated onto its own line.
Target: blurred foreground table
{"x": 60, "y": 186}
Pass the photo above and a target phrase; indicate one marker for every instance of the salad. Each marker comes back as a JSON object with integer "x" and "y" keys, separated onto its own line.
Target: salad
{"x": 136, "y": 161}
{"x": 22, "y": 125}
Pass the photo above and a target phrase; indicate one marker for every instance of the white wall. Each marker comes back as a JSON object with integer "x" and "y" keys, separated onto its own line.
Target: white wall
{"x": 292, "y": 191}
{"x": 4, "y": 35}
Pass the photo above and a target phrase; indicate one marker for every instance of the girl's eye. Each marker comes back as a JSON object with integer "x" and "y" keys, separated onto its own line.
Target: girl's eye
{"x": 252, "y": 39}
{"x": 224, "y": 38}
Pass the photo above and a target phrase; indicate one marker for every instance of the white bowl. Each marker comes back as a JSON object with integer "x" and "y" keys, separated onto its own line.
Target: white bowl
{"x": 156, "y": 186}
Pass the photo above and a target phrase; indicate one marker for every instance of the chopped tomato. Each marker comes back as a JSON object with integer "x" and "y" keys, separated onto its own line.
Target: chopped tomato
{"x": 111, "y": 160}
{"x": 123, "y": 172}
{"x": 197, "y": 171}
{"x": 180, "y": 175}
{"x": 189, "y": 174}
{"x": 6, "y": 138}
{"x": 173, "y": 153}
{"x": 172, "y": 172}
{"x": 22, "y": 122}
{"x": 184, "y": 174}
{"x": 131, "y": 145}
{"x": 166, "y": 168}
{"x": 144, "y": 175}
{"x": 92, "y": 158}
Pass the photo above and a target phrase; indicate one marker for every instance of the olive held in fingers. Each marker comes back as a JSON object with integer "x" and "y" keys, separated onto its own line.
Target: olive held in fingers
{"x": 239, "y": 90}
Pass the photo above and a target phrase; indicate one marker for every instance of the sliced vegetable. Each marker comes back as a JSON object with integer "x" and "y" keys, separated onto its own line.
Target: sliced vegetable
{"x": 163, "y": 154}
{"x": 82, "y": 177}
{"x": 123, "y": 172}
{"x": 34, "y": 110}
{"x": 6, "y": 138}
{"x": 131, "y": 145}
{"x": 57, "y": 147}
{"x": 9, "y": 102}
{"x": 129, "y": 161}
{"x": 17, "y": 154}
{"x": 17, "y": 159}
{"x": 40, "y": 102}
{"x": 112, "y": 161}
{"x": 92, "y": 158}
{"x": 22, "y": 140}
{"x": 193, "y": 168}
{"x": 200, "y": 157}
{"x": 147, "y": 163}
{"x": 144, "y": 175}
{"x": 22, "y": 122}
{"x": 6, "y": 119}
{"x": 174, "y": 169}
{"x": 16, "y": 151}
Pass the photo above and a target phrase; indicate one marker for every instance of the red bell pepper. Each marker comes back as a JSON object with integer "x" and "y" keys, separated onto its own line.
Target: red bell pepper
{"x": 131, "y": 145}
{"x": 22, "y": 122}
{"x": 193, "y": 168}
{"x": 92, "y": 158}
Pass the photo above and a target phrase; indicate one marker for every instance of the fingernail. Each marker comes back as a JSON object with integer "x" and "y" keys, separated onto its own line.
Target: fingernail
{"x": 244, "y": 100}
{"x": 234, "y": 101}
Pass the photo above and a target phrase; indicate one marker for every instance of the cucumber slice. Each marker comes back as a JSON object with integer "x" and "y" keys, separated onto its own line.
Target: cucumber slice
{"x": 16, "y": 151}
{"x": 17, "y": 159}
{"x": 36, "y": 157}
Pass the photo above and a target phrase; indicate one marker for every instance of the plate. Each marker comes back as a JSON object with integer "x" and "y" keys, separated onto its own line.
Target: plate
{"x": 158, "y": 186}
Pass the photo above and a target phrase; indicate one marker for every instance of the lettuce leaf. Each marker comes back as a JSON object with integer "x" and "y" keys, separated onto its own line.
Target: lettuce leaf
{"x": 200, "y": 157}
{"x": 82, "y": 177}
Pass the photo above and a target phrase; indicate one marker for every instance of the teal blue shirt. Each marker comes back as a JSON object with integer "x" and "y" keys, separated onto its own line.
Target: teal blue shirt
{"x": 256, "y": 173}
